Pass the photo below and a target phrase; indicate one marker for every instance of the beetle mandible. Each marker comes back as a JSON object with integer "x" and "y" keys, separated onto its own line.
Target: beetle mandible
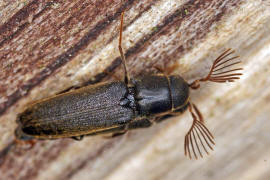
{"x": 116, "y": 107}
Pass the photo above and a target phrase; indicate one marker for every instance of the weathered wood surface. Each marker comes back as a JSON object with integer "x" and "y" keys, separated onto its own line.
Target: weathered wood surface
{"x": 48, "y": 46}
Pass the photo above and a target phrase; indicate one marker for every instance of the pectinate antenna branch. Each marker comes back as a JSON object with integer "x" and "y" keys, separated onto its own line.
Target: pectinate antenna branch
{"x": 197, "y": 131}
{"x": 219, "y": 71}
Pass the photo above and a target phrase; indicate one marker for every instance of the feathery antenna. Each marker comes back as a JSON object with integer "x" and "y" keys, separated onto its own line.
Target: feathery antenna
{"x": 220, "y": 71}
{"x": 198, "y": 135}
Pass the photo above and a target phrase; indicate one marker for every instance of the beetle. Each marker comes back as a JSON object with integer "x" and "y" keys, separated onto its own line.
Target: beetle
{"x": 118, "y": 106}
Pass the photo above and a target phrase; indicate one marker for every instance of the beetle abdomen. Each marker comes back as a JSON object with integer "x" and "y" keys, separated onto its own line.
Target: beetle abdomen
{"x": 78, "y": 112}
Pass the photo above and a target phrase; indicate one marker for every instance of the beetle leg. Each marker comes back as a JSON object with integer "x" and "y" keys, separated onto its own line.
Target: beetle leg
{"x": 123, "y": 58}
{"x": 174, "y": 112}
{"x": 27, "y": 144}
{"x": 78, "y": 138}
{"x": 141, "y": 123}
{"x": 159, "y": 69}
{"x": 119, "y": 134}
{"x": 69, "y": 89}
{"x": 168, "y": 71}
{"x": 198, "y": 135}
{"x": 112, "y": 75}
{"x": 108, "y": 131}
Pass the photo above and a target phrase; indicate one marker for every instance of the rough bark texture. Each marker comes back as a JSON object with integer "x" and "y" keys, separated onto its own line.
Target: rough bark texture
{"x": 49, "y": 46}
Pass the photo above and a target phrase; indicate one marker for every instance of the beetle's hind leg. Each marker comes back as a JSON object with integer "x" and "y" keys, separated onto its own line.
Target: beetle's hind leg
{"x": 117, "y": 131}
{"x": 28, "y": 144}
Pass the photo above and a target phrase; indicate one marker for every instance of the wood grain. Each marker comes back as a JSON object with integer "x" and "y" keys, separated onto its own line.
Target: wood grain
{"x": 49, "y": 46}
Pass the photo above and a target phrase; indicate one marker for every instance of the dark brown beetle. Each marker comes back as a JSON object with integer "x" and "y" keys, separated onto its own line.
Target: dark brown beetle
{"x": 115, "y": 107}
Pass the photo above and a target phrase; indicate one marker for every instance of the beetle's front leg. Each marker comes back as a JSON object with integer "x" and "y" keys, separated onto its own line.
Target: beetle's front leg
{"x": 141, "y": 123}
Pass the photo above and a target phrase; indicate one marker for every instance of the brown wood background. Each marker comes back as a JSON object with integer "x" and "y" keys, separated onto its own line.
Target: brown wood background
{"x": 48, "y": 46}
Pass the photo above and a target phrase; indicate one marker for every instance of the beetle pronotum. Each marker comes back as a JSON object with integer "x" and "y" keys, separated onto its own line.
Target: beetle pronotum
{"x": 116, "y": 107}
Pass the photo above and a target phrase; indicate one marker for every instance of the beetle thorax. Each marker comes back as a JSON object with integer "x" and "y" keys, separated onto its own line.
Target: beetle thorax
{"x": 156, "y": 94}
